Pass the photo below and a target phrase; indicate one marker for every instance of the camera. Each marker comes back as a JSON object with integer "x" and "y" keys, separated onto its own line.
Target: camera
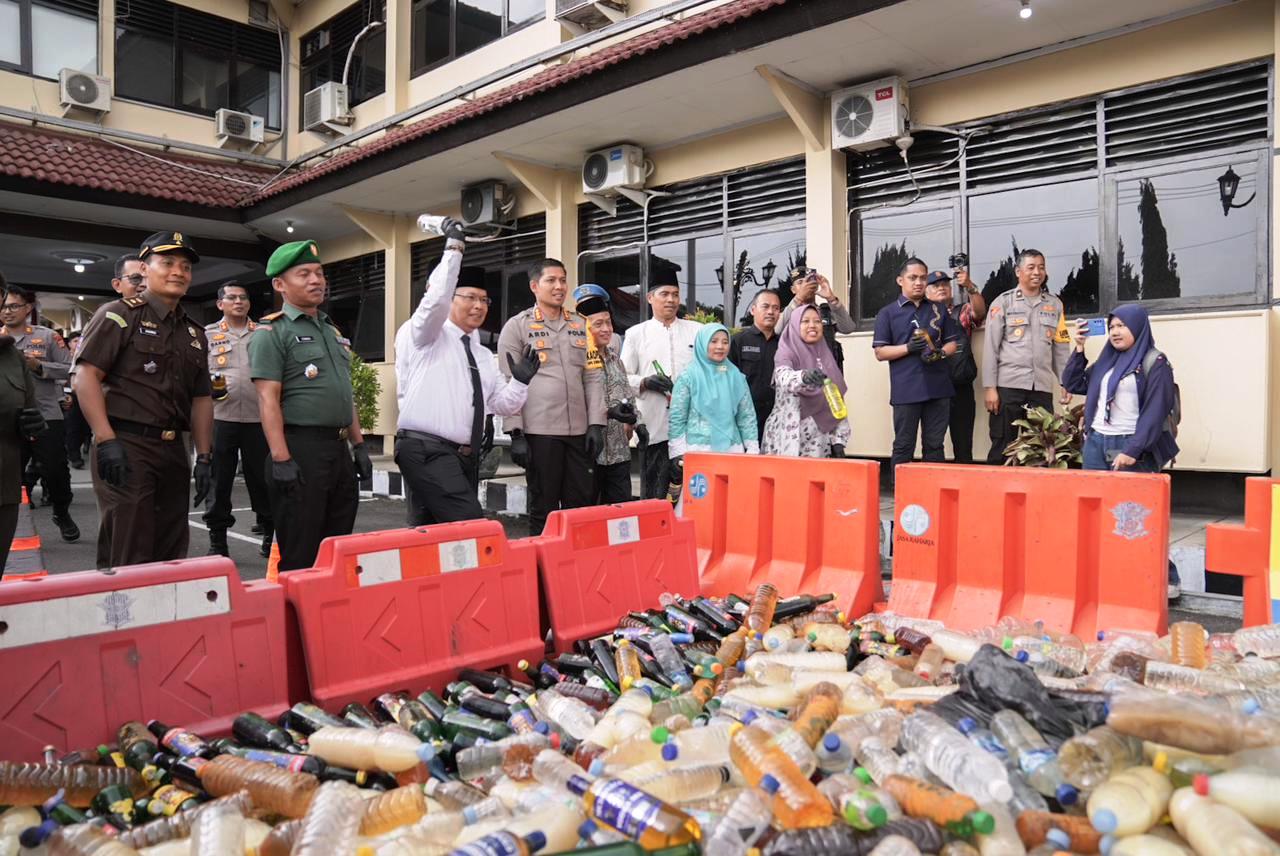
{"x": 958, "y": 260}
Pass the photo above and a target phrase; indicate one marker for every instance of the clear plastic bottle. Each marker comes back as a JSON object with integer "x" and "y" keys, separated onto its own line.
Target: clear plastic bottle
{"x": 1130, "y": 802}
{"x": 33, "y": 784}
{"x": 708, "y": 744}
{"x": 393, "y": 809}
{"x": 1211, "y": 827}
{"x": 1172, "y": 677}
{"x": 839, "y": 745}
{"x": 759, "y": 616}
{"x": 877, "y": 759}
{"x": 271, "y": 788}
{"x": 281, "y": 838}
{"x": 459, "y": 796}
{"x": 1262, "y": 641}
{"x": 84, "y": 839}
{"x": 689, "y": 703}
{"x": 390, "y": 748}
{"x": 684, "y": 784}
{"x": 1252, "y": 792}
{"x": 218, "y": 830}
{"x": 1091, "y": 758}
{"x": 777, "y": 637}
{"x": 929, "y": 665}
{"x": 953, "y": 759}
{"x": 332, "y": 822}
{"x": 1193, "y": 724}
{"x": 574, "y": 717}
{"x": 957, "y": 646}
{"x": 476, "y": 762}
{"x": 1187, "y": 644}
{"x": 1025, "y": 797}
{"x": 744, "y": 822}
{"x": 797, "y": 802}
{"x": 817, "y": 661}
{"x": 669, "y": 660}
{"x": 895, "y": 845}
{"x": 1003, "y": 839}
{"x": 827, "y": 637}
{"x": 1035, "y": 758}
{"x": 179, "y": 824}
{"x": 504, "y": 843}
{"x": 985, "y": 740}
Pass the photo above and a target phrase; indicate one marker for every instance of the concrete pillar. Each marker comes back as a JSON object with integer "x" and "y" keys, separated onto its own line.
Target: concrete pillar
{"x": 399, "y": 56}
{"x": 557, "y": 190}
{"x": 107, "y": 38}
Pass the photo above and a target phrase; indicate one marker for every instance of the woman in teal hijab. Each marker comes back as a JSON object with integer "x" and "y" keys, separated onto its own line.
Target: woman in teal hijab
{"x": 711, "y": 409}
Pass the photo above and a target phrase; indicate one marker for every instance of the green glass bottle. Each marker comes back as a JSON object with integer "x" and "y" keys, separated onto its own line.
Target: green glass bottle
{"x": 457, "y": 721}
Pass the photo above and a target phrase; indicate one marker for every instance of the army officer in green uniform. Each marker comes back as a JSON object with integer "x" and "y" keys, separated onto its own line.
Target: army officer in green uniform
{"x": 301, "y": 365}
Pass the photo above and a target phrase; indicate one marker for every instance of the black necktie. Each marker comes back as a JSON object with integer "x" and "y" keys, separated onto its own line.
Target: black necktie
{"x": 477, "y": 399}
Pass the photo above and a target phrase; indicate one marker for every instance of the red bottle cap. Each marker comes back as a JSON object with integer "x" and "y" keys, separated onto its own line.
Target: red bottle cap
{"x": 1201, "y": 784}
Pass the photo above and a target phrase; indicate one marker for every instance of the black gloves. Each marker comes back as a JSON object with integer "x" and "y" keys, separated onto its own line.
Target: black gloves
{"x": 642, "y": 435}
{"x": 677, "y": 470}
{"x": 812, "y": 377}
{"x": 113, "y": 463}
{"x": 528, "y": 366}
{"x": 287, "y": 476}
{"x": 916, "y": 344}
{"x": 452, "y": 230}
{"x": 595, "y": 442}
{"x": 520, "y": 449}
{"x": 203, "y": 475}
{"x": 623, "y": 411}
{"x": 30, "y": 422}
{"x": 656, "y": 383}
{"x": 364, "y": 466}
{"x": 837, "y": 451}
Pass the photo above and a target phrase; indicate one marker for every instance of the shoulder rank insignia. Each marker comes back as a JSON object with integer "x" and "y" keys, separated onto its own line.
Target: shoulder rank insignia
{"x": 273, "y": 316}
{"x": 133, "y": 302}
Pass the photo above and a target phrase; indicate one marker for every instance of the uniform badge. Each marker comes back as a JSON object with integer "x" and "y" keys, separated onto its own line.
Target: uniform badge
{"x": 39, "y": 341}
{"x": 311, "y": 371}
{"x": 192, "y": 331}
{"x": 146, "y": 331}
{"x": 542, "y": 356}
{"x": 148, "y": 324}
{"x": 195, "y": 343}
{"x": 1018, "y": 331}
{"x": 222, "y": 361}
{"x": 149, "y": 367}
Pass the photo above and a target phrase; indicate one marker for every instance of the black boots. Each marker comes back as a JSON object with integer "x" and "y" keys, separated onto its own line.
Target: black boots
{"x": 62, "y": 519}
{"x": 218, "y": 543}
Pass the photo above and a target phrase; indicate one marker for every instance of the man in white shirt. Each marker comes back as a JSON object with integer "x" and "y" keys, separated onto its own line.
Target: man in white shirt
{"x": 654, "y": 354}
{"x": 446, "y": 382}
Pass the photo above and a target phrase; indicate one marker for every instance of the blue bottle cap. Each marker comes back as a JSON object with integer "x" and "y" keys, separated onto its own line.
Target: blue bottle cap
{"x": 831, "y": 743}
{"x": 426, "y": 752}
{"x": 536, "y": 840}
{"x": 670, "y": 751}
{"x": 469, "y": 815}
{"x": 966, "y": 725}
{"x": 1103, "y": 820}
{"x": 1251, "y": 706}
{"x": 596, "y": 767}
{"x": 682, "y": 638}
{"x": 1022, "y": 656}
{"x": 1105, "y": 844}
{"x": 749, "y": 717}
{"x": 587, "y": 828}
{"x": 1067, "y": 795}
{"x": 542, "y": 728}
{"x": 1058, "y": 838}
{"x": 769, "y": 784}
{"x": 1101, "y": 635}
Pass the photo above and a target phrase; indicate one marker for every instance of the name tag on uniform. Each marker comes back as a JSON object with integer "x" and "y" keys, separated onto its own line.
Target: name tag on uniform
{"x": 148, "y": 332}
{"x": 302, "y": 340}
{"x": 750, "y": 349}
{"x": 342, "y": 341}
{"x": 1016, "y": 322}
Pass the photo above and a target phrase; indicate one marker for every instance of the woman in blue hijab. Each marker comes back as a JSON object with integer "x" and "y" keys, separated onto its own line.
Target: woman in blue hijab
{"x": 711, "y": 409}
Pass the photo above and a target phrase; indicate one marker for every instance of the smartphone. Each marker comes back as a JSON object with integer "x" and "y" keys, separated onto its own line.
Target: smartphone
{"x": 1094, "y": 326}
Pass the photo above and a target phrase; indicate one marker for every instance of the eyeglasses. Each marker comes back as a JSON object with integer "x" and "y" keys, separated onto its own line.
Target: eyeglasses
{"x": 471, "y": 298}
{"x": 135, "y": 278}
{"x": 13, "y": 307}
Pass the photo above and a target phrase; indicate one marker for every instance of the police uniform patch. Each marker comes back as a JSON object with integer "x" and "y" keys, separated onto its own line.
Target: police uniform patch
{"x": 311, "y": 371}
{"x": 150, "y": 367}
{"x": 222, "y": 361}
{"x": 118, "y": 319}
{"x": 195, "y": 343}
{"x": 146, "y": 331}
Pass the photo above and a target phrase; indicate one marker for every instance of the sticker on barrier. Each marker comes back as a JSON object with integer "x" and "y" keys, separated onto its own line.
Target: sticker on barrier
{"x": 176, "y": 641}
{"x": 596, "y": 564}
{"x": 804, "y": 524}
{"x": 407, "y": 608}
{"x": 1080, "y": 550}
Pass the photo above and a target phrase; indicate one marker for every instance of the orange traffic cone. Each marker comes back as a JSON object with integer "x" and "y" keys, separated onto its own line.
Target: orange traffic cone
{"x": 273, "y": 564}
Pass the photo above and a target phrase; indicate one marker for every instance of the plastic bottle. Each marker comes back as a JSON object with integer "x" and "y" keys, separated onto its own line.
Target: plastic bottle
{"x": 332, "y": 821}
{"x": 218, "y": 830}
{"x": 475, "y": 762}
{"x": 179, "y": 825}
{"x": 953, "y": 759}
{"x": 797, "y": 802}
{"x": 271, "y": 788}
{"x": 1263, "y": 640}
{"x": 1129, "y": 803}
{"x": 764, "y": 602}
{"x": 1093, "y": 757}
{"x": 669, "y": 659}
{"x": 1254, "y": 793}
{"x": 1035, "y": 759}
{"x": 1172, "y": 677}
{"x": 1148, "y": 845}
{"x": 1186, "y": 644}
{"x": 984, "y": 740}
{"x": 627, "y": 662}
{"x": 1213, "y": 828}
{"x": 742, "y": 825}
{"x": 503, "y": 844}
{"x": 684, "y": 784}
{"x": 929, "y": 665}
{"x": 894, "y": 845}
{"x": 390, "y": 748}
{"x": 1194, "y": 724}
{"x": 707, "y": 744}
{"x": 83, "y": 839}
{"x": 839, "y": 744}
{"x": 827, "y": 637}
{"x": 1034, "y": 828}
{"x": 777, "y": 637}
{"x": 689, "y": 703}
{"x": 877, "y": 759}
{"x": 1003, "y": 839}
{"x": 957, "y": 646}
{"x": 393, "y": 809}
{"x": 32, "y": 784}
{"x": 957, "y": 812}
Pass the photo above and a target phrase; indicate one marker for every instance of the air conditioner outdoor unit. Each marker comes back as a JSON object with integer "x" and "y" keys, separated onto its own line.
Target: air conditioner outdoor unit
{"x": 234, "y": 125}
{"x": 590, "y": 14}
{"x": 488, "y": 203}
{"x": 613, "y": 169}
{"x": 77, "y": 90}
{"x": 870, "y": 115}
{"x": 324, "y": 109}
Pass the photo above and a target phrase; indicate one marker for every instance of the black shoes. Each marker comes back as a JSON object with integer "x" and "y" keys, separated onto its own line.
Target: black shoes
{"x": 70, "y": 531}
{"x": 218, "y": 543}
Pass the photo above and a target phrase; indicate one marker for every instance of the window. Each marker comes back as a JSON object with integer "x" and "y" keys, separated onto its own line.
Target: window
{"x": 620, "y": 276}
{"x": 325, "y": 50}
{"x": 178, "y": 57}
{"x": 1124, "y": 194}
{"x": 356, "y": 302}
{"x": 42, "y": 37}
{"x": 447, "y": 29}
{"x": 762, "y": 261}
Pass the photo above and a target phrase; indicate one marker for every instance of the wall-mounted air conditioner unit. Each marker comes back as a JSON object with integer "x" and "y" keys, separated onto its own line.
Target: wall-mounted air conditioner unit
{"x": 583, "y": 15}
{"x": 870, "y": 115}
{"x": 235, "y": 125}
{"x": 325, "y": 110}
{"x": 80, "y": 91}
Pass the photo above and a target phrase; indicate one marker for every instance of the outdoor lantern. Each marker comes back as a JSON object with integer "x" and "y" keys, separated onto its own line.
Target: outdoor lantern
{"x": 768, "y": 270}
{"x": 1228, "y": 184}
{"x": 720, "y": 275}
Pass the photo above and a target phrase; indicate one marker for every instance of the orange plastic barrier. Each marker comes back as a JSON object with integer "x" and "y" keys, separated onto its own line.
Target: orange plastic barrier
{"x": 596, "y": 564}
{"x": 25, "y": 555}
{"x": 406, "y": 608}
{"x": 183, "y": 642}
{"x": 1244, "y": 550}
{"x": 807, "y": 525}
{"x": 1081, "y": 551}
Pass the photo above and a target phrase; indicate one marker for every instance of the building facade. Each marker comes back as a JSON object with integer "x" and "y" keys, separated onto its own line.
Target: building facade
{"x": 1133, "y": 143}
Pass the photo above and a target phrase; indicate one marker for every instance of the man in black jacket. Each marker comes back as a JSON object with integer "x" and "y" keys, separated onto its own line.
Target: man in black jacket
{"x": 753, "y": 349}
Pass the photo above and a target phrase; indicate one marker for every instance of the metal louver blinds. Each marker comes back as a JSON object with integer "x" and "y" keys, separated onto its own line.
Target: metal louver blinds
{"x": 879, "y": 175}
{"x": 1052, "y": 142}
{"x": 525, "y": 247}
{"x": 355, "y": 276}
{"x": 766, "y": 193}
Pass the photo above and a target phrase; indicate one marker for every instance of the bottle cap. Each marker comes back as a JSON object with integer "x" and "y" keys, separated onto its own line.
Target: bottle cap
{"x": 1058, "y": 838}
{"x": 626, "y": 683}
{"x": 1251, "y": 706}
{"x": 877, "y": 816}
{"x": 522, "y": 665}
{"x": 1201, "y": 784}
{"x": 1067, "y": 795}
{"x": 554, "y": 739}
{"x": 770, "y": 784}
{"x": 983, "y": 823}
{"x": 1000, "y": 790}
{"x": 813, "y": 636}
{"x": 425, "y": 752}
{"x": 670, "y": 751}
{"x": 750, "y": 717}
{"x": 587, "y": 828}
{"x": 863, "y": 775}
{"x": 682, "y": 638}
{"x": 1160, "y": 763}
{"x": 831, "y": 743}
{"x": 542, "y": 728}
{"x": 1022, "y": 656}
{"x": 596, "y": 767}
{"x": 536, "y": 840}
{"x": 1105, "y": 843}
{"x": 1103, "y": 820}
{"x": 661, "y": 734}
{"x": 966, "y": 724}
{"x": 1007, "y": 643}
{"x": 1102, "y": 634}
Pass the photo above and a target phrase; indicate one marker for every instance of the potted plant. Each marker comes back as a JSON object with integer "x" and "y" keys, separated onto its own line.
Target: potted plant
{"x": 1047, "y": 440}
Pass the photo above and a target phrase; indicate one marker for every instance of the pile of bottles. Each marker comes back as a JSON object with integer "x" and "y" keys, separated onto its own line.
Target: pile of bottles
{"x": 752, "y": 726}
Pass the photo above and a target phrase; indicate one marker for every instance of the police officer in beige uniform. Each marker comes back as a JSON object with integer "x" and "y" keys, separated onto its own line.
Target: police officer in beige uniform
{"x": 236, "y": 431}
{"x": 1025, "y": 351}
{"x": 560, "y": 431}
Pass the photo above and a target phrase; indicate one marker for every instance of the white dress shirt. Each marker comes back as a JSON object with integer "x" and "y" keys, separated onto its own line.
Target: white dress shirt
{"x": 672, "y": 347}
{"x": 433, "y": 380}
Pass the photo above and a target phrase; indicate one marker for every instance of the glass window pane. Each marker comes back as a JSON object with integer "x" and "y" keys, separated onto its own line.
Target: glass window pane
{"x": 1174, "y": 241}
{"x": 369, "y": 340}
{"x": 479, "y": 22}
{"x": 521, "y": 12}
{"x": 369, "y": 67}
{"x": 59, "y": 41}
{"x": 697, "y": 266}
{"x": 10, "y": 32}
{"x": 205, "y": 83}
{"x": 258, "y": 92}
{"x": 620, "y": 276}
{"x": 762, "y": 261}
{"x": 888, "y": 240}
{"x": 1060, "y": 221}
{"x": 430, "y": 32}
{"x": 144, "y": 67}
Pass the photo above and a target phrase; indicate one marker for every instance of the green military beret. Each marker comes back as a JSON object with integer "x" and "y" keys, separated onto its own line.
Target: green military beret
{"x": 291, "y": 254}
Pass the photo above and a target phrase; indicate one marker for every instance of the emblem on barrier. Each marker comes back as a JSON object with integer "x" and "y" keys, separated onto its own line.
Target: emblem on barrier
{"x": 914, "y": 520}
{"x": 1130, "y": 520}
{"x": 698, "y": 486}
{"x": 115, "y": 610}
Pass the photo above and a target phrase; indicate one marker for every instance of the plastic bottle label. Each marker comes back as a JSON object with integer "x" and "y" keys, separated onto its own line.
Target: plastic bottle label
{"x": 625, "y": 807}
{"x": 1032, "y": 759}
{"x": 501, "y": 844}
{"x": 276, "y": 759}
{"x": 183, "y": 742}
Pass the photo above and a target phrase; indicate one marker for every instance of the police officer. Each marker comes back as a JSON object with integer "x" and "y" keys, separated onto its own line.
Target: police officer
{"x": 301, "y": 365}
{"x": 49, "y": 362}
{"x": 807, "y": 285}
{"x": 1025, "y": 351}
{"x": 142, "y": 381}
{"x": 560, "y": 430}
{"x": 236, "y": 432}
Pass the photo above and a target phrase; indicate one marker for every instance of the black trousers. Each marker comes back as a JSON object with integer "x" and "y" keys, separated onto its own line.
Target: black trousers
{"x": 232, "y": 442}
{"x": 49, "y": 450}
{"x": 323, "y": 505}
{"x": 613, "y": 483}
{"x": 146, "y": 520}
{"x": 559, "y": 475}
{"x": 963, "y": 408}
{"x": 441, "y": 483}
{"x": 1012, "y": 403}
{"x": 8, "y": 526}
{"x": 77, "y": 431}
{"x": 656, "y": 478}
{"x": 926, "y": 418}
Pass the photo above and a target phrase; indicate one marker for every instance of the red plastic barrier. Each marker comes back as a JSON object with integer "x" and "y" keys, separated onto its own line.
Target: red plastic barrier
{"x": 1245, "y": 551}
{"x": 807, "y": 525}
{"x": 183, "y": 642}
{"x": 1080, "y": 550}
{"x": 406, "y": 608}
{"x": 596, "y": 564}
{"x": 25, "y": 554}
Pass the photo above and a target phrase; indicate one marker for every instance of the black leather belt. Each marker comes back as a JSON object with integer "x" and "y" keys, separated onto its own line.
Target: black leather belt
{"x": 151, "y": 432}
{"x": 464, "y": 451}
{"x": 319, "y": 432}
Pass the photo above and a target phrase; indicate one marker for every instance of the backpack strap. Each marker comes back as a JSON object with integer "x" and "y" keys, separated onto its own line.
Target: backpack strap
{"x": 1149, "y": 359}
